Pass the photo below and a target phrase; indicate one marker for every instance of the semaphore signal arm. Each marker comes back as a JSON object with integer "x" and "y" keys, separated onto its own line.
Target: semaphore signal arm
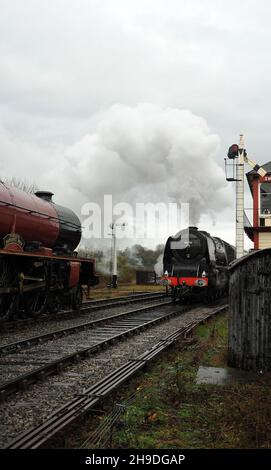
{"x": 259, "y": 180}
{"x": 254, "y": 165}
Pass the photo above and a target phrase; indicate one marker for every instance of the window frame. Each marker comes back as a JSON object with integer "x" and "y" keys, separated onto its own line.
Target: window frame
{"x": 261, "y": 209}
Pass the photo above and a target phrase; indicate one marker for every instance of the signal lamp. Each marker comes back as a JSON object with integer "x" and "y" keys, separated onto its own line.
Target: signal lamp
{"x": 233, "y": 151}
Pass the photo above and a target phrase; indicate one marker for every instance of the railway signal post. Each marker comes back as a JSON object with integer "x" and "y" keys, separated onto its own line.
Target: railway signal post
{"x": 238, "y": 156}
{"x": 239, "y": 234}
{"x": 114, "y": 282}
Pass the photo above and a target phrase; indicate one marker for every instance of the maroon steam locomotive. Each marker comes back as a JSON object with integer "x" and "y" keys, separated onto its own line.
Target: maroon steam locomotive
{"x": 39, "y": 269}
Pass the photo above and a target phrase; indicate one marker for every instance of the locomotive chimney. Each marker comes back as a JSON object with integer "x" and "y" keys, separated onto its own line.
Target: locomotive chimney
{"x": 46, "y": 195}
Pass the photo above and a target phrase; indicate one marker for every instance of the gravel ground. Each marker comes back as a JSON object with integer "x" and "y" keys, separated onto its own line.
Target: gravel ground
{"x": 52, "y": 325}
{"x": 29, "y": 408}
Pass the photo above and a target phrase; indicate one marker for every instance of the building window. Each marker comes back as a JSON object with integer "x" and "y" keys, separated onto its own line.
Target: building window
{"x": 265, "y": 198}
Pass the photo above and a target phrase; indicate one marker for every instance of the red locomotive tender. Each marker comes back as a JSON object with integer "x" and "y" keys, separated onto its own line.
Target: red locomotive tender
{"x": 39, "y": 269}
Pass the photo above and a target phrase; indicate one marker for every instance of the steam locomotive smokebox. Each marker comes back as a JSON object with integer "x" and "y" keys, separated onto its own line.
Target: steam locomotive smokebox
{"x": 250, "y": 312}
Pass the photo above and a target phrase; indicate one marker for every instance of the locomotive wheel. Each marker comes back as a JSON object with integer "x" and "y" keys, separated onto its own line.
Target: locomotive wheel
{"x": 77, "y": 298}
{"x": 35, "y": 302}
{"x": 173, "y": 294}
{"x": 212, "y": 294}
{"x": 54, "y": 304}
{"x": 8, "y": 305}
{"x": 8, "y": 302}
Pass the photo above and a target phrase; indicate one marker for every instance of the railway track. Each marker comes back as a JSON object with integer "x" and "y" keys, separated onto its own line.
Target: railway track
{"x": 87, "y": 307}
{"x": 38, "y": 435}
{"x": 32, "y": 405}
{"x": 25, "y": 362}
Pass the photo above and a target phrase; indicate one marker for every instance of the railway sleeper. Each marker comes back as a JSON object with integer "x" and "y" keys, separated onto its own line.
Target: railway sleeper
{"x": 59, "y": 367}
{"x": 77, "y": 359}
{"x": 24, "y": 384}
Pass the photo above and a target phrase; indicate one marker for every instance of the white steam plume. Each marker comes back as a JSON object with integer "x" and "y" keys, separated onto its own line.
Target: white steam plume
{"x": 147, "y": 153}
{"x": 158, "y": 267}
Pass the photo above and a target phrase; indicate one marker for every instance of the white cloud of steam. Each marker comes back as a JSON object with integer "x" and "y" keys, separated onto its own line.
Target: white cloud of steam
{"x": 62, "y": 62}
{"x": 158, "y": 267}
{"x": 148, "y": 153}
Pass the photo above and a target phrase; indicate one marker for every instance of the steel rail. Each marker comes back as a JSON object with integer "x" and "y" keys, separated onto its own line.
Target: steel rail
{"x": 38, "y": 339}
{"x": 70, "y": 411}
{"x": 39, "y": 374}
{"x": 87, "y": 307}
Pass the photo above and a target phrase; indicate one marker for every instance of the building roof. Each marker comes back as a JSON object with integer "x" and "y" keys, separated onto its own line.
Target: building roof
{"x": 250, "y": 175}
{"x": 248, "y": 227}
{"x": 254, "y": 254}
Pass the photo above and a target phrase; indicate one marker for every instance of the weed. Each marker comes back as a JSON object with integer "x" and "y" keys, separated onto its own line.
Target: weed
{"x": 172, "y": 411}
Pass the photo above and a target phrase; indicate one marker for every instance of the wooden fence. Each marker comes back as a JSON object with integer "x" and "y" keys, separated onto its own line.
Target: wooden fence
{"x": 250, "y": 312}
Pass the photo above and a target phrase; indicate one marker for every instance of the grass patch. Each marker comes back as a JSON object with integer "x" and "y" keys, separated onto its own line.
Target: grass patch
{"x": 172, "y": 411}
{"x": 123, "y": 290}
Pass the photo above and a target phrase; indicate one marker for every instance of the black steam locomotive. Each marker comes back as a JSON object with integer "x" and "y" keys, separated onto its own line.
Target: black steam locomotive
{"x": 196, "y": 265}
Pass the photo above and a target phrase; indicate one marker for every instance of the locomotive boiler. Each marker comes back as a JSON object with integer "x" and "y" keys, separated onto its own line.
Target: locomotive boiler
{"x": 39, "y": 269}
{"x": 196, "y": 265}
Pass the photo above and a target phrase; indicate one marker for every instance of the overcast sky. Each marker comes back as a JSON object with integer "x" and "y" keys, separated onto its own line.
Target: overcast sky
{"x": 65, "y": 64}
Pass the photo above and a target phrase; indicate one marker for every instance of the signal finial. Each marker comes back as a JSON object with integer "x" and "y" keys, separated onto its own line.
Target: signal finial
{"x": 241, "y": 142}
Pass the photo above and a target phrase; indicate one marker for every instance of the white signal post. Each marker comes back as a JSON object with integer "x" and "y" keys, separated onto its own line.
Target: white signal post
{"x": 239, "y": 235}
{"x": 114, "y": 254}
{"x": 115, "y": 259}
{"x": 241, "y": 158}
